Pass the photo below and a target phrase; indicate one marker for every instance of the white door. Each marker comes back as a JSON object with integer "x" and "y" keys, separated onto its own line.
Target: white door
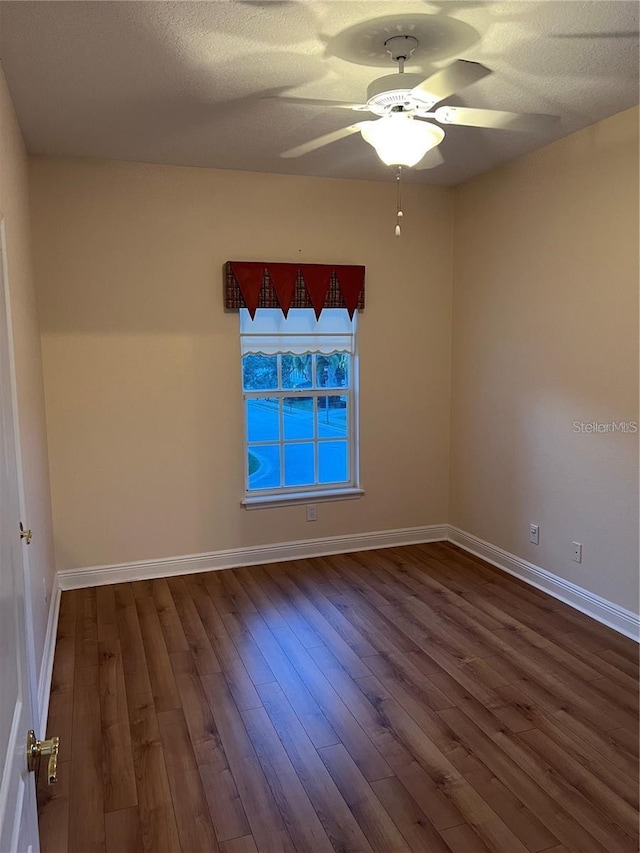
{"x": 18, "y": 816}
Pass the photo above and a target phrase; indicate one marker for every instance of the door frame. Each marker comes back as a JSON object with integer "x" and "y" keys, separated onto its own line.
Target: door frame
{"x": 22, "y": 503}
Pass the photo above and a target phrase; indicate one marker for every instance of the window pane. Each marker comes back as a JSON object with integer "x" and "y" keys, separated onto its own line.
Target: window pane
{"x": 263, "y": 423}
{"x": 298, "y": 465}
{"x": 333, "y": 462}
{"x": 296, "y": 371}
{"x": 332, "y": 371}
{"x": 259, "y": 372}
{"x": 264, "y": 466}
{"x": 332, "y": 417}
{"x": 298, "y": 417}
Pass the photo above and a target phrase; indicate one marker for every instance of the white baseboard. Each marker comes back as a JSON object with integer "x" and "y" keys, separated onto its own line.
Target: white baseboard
{"x": 254, "y": 555}
{"x": 624, "y": 621}
{"x": 46, "y": 665}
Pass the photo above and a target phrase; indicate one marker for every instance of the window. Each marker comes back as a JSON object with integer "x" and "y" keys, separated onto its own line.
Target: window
{"x": 299, "y": 380}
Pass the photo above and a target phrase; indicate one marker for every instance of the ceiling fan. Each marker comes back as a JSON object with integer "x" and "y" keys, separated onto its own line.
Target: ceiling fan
{"x": 403, "y": 130}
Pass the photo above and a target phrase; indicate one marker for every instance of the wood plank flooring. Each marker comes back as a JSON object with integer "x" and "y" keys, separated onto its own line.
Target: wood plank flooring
{"x": 407, "y": 699}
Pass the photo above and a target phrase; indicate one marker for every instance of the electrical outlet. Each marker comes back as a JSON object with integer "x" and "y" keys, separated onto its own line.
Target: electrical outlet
{"x": 312, "y": 512}
{"x": 534, "y": 534}
{"x": 577, "y": 552}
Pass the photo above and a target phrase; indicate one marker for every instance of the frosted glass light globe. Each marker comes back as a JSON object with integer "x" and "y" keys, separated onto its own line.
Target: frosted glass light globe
{"x": 401, "y": 140}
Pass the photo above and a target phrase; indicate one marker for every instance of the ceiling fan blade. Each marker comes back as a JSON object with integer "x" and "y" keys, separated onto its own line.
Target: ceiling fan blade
{"x": 430, "y": 160}
{"x": 316, "y": 102}
{"x": 321, "y": 141}
{"x": 497, "y": 119}
{"x": 451, "y": 79}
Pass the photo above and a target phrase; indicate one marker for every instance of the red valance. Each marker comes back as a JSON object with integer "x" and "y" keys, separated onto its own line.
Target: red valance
{"x": 253, "y": 284}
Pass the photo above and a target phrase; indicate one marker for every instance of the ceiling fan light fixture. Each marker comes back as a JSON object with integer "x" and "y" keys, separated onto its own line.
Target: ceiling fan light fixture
{"x": 400, "y": 140}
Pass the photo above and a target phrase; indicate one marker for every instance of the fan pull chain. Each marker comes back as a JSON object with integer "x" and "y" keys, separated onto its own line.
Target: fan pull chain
{"x": 399, "y": 213}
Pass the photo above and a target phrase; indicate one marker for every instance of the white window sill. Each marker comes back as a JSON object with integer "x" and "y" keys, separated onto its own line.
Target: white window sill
{"x": 294, "y": 498}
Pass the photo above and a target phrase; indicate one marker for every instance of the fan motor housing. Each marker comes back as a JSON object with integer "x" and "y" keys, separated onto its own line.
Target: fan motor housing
{"x": 395, "y": 90}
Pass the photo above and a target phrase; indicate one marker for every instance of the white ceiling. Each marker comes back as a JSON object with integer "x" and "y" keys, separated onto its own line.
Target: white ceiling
{"x": 181, "y": 82}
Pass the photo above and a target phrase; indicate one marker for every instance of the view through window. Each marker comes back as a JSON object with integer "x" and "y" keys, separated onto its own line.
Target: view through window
{"x": 298, "y": 388}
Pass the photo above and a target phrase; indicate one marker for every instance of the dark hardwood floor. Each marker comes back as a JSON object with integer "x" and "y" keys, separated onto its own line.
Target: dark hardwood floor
{"x": 408, "y": 699}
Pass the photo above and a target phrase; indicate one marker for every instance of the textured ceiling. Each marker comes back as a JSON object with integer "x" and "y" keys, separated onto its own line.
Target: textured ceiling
{"x": 182, "y": 82}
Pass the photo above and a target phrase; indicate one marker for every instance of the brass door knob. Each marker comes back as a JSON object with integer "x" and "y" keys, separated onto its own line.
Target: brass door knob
{"x": 36, "y": 748}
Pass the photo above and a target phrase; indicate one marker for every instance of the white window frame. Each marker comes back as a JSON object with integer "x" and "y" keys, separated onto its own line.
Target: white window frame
{"x": 317, "y": 492}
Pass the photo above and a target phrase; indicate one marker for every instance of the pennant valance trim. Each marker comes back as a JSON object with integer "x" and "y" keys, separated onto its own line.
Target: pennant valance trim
{"x": 253, "y": 284}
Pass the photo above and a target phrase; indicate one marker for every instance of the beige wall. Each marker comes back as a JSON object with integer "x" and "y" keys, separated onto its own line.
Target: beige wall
{"x": 141, "y": 362}
{"x": 546, "y": 333}
{"x": 142, "y": 367}
{"x": 14, "y": 210}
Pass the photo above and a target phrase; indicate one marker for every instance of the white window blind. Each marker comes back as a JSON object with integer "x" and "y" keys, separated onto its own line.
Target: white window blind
{"x": 298, "y": 333}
